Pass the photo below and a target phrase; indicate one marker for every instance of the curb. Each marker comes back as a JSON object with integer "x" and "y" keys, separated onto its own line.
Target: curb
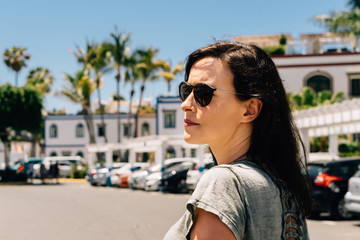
{"x": 61, "y": 180}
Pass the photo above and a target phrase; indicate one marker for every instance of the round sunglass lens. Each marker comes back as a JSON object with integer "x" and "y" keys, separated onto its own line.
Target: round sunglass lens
{"x": 184, "y": 91}
{"x": 203, "y": 95}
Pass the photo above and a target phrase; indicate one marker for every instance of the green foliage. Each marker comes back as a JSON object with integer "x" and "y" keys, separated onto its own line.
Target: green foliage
{"x": 282, "y": 40}
{"x": 20, "y": 109}
{"x": 319, "y": 144}
{"x": 275, "y": 50}
{"x": 354, "y": 3}
{"x": 308, "y": 98}
{"x": 349, "y": 149}
{"x": 41, "y": 79}
{"x": 78, "y": 172}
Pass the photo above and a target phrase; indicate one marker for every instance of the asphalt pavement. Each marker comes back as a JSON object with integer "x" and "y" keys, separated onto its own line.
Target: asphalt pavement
{"x": 75, "y": 210}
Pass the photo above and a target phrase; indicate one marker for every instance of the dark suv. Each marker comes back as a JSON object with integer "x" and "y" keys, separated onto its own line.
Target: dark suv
{"x": 330, "y": 183}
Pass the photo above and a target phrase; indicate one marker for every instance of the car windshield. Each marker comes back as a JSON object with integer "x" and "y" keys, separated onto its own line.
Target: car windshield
{"x": 357, "y": 174}
{"x": 345, "y": 170}
{"x": 314, "y": 170}
{"x": 181, "y": 166}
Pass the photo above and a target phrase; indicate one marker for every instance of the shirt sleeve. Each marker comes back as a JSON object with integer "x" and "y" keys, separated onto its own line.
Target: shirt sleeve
{"x": 219, "y": 191}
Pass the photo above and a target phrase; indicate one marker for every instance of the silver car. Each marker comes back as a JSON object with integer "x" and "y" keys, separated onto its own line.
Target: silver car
{"x": 352, "y": 197}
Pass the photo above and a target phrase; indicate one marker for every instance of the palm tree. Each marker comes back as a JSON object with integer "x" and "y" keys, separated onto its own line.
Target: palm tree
{"x": 354, "y": 3}
{"x": 41, "y": 79}
{"x": 343, "y": 22}
{"x": 80, "y": 90}
{"x": 169, "y": 74}
{"x": 118, "y": 51}
{"x": 132, "y": 75}
{"x": 97, "y": 59}
{"x": 15, "y": 58}
{"x": 147, "y": 68}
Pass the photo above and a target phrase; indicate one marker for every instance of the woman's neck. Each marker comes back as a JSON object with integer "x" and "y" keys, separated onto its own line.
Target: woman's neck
{"x": 233, "y": 150}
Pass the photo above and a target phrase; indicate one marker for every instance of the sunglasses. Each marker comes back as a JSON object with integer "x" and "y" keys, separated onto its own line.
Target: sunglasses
{"x": 203, "y": 93}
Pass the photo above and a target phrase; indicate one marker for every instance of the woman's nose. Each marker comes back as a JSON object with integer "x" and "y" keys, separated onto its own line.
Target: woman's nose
{"x": 188, "y": 104}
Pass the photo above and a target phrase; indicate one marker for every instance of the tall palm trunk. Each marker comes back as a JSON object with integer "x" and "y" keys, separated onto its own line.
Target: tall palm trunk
{"x": 118, "y": 76}
{"x": 169, "y": 87}
{"x": 89, "y": 123}
{"x": 16, "y": 78}
{"x": 33, "y": 145}
{"x": 130, "y": 107}
{"x": 102, "y": 115}
{"x": 139, "y": 107}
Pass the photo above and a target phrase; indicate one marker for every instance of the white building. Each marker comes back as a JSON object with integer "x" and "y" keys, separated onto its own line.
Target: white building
{"x": 67, "y": 135}
{"x": 337, "y": 72}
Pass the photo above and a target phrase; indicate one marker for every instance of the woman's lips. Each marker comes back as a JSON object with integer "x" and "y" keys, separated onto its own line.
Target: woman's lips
{"x": 188, "y": 123}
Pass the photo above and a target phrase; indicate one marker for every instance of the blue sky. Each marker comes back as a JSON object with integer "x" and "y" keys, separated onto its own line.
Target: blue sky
{"x": 48, "y": 29}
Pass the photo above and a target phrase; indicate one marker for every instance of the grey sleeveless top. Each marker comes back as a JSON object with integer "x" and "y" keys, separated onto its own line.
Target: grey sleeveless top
{"x": 247, "y": 201}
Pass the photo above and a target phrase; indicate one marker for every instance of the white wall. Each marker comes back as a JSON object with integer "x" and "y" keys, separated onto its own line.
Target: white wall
{"x": 294, "y": 70}
{"x": 171, "y": 103}
{"x": 66, "y": 139}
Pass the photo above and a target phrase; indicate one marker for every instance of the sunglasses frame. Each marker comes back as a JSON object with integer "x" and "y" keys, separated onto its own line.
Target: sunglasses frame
{"x": 212, "y": 89}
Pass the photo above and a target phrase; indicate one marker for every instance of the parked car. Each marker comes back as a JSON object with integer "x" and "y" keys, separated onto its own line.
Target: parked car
{"x": 330, "y": 183}
{"x": 15, "y": 173}
{"x": 115, "y": 174}
{"x": 193, "y": 175}
{"x": 153, "y": 180}
{"x": 138, "y": 179}
{"x": 174, "y": 178}
{"x": 124, "y": 180}
{"x": 352, "y": 197}
{"x": 99, "y": 176}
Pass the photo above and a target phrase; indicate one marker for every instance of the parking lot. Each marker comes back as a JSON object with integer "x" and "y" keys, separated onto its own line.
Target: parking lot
{"x": 76, "y": 210}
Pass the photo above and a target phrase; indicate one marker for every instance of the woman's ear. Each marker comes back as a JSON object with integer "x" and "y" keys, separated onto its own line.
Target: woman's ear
{"x": 253, "y": 109}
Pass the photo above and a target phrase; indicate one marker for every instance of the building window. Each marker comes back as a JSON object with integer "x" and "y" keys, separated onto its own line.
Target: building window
{"x": 80, "y": 130}
{"x": 193, "y": 153}
{"x": 145, "y": 129}
{"x": 80, "y": 154}
{"x": 66, "y": 153}
{"x": 319, "y": 83}
{"x": 169, "y": 118}
{"x": 101, "y": 130}
{"x": 53, "y": 154}
{"x": 170, "y": 152}
{"x": 127, "y": 129}
{"x": 355, "y": 85}
{"x": 53, "y": 131}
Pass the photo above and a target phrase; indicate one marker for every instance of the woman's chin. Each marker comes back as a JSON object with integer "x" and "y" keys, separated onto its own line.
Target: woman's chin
{"x": 191, "y": 139}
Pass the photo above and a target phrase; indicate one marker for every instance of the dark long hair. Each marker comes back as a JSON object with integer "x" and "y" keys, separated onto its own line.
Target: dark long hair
{"x": 275, "y": 142}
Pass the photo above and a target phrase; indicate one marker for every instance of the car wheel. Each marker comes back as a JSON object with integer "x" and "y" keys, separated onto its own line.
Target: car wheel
{"x": 341, "y": 211}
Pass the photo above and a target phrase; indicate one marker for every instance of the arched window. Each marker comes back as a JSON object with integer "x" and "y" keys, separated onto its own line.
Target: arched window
{"x": 319, "y": 83}
{"x": 145, "y": 129}
{"x": 53, "y": 131}
{"x": 170, "y": 152}
{"x": 80, "y": 153}
{"x": 79, "y": 130}
{"x": 53, "y": 154}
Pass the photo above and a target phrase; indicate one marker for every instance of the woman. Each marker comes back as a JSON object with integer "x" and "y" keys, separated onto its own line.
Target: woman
{"x": 234, "y": 101}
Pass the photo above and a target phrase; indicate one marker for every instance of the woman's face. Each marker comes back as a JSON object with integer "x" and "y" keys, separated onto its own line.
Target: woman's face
{"x": 220, "y": 121}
